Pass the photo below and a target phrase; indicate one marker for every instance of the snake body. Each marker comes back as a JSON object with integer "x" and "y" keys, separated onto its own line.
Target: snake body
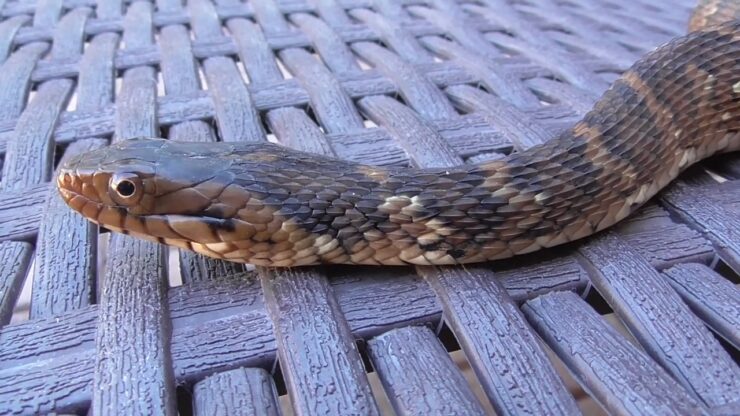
{"x": 273, "y": 206}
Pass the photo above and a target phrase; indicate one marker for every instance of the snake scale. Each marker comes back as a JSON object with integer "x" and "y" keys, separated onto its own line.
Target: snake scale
{"x": 272, "y": 206}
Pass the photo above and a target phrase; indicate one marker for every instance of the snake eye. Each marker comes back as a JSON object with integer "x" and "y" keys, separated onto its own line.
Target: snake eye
{"x": 125, "y": 188}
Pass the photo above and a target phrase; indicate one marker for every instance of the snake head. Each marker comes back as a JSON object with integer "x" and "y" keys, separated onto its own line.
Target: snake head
{"x": 137, "y": 186}
{"x": 118, "y": 177}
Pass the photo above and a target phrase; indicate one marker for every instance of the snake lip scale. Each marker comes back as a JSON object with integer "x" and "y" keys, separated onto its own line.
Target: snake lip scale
{"x": 268, "y": 205}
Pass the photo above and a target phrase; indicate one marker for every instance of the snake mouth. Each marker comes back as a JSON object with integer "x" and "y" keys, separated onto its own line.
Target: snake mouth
{"x": 72, "y": 190}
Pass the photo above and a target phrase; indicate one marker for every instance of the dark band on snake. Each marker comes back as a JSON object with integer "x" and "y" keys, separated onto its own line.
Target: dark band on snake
{"x": 269, "y": 205}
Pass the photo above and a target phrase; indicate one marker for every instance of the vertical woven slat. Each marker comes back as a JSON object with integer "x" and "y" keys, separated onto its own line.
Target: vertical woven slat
{"x": 419, "y": 375}
{"x": 394, "y": 35}
{"x": 242, "y": 123}
{"x": 546, "y": 53}
{"x": 331, "y": 11}
{"x": 95, "y": 90}
{"x": 497, "y": 79}
{"x": 712, "y": 297}
{"x": 240, "y": 392}
{"x": 255, "y": 53}
{"x": 621, "y": 377}
{"x": 270, "y": 18}
{"x": 502, "y": 349}
{"x": 65, "y": 256}
{"x": 515, "y": 125}
{"x": 67, "y": 243}
{"x": 15, "y": 76}
{"x": 178, "y": 67}
{"x": 333, "y": 107}
{"x": 66, "y": 252}
{"x": 563, "y": 93}
{"x": 418, "y": 92}
{"x": 47, "y": 13}
{"x": 662, "y": 323}
{"x": 8, "y": 29}
{"x": 717, "y": 220}
{"x": 109, "y": 9}
{"x": 69, "y": 35}
{"x": 332, "y": 49}
{"x": 237, "y": 118}
{"x": 323, "y": 372}
{"x": 30, "y": 153}
{"x": 133, "y": 369}
{"x": 16, "y": 258}
{"x": 416, "y": 137}
{"x": 589, "y": 37}
{"x": 452, "y": 22}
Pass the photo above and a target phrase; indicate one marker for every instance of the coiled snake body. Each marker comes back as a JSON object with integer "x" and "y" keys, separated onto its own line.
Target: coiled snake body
{"x": 269, "y": 205}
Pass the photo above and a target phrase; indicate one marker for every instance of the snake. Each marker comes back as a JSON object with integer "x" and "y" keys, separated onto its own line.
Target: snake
{"x": 269, "y": 205}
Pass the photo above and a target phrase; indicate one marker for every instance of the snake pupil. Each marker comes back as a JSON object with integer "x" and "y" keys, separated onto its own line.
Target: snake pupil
{"x": 125, "y": 188}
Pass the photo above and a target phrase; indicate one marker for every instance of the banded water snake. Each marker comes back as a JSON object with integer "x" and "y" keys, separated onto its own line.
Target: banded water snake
{"x": 273, "y": 206}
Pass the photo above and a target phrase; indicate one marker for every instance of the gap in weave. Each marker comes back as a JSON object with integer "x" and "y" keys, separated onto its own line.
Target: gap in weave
{"x": 363, "y": 64}
{"x": 59, "y": 149}
{"x": 378, "y": 391}
{"x": 714, "y": 175}
{"x": 72, "y": 103}
{"x": 242, "y": 71}
{"x": 118, "y": 84}
{"x": 174, "y": 275}
{"x": 308, "y": 109}
{"x": 164, "y": 130}
{"x": 185, "y": 400}
{"x": 272, "y": 138}
{"x": 160, "y": 84}
{"x": 201, "y": 75}
{"x": 283, "y": 70}
{"x": 22, "y": 307}
{"x": 597, "y": 302}
{"x": 724, "y": 270}
{"x": 102, "y": 261}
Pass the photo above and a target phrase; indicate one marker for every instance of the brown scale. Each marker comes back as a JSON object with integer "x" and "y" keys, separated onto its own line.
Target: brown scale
{"x": 272, "y": 206}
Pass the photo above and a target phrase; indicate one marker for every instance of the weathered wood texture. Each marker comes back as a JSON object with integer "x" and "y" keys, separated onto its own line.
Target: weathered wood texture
{"x": 240, "y": 392}
{"x": 133, "y": 367}
{"x": 419, "y": 375}
{"x": 621, "y": 377}
{"x": 712, "y": 297}
{"x": 404, "y": 83}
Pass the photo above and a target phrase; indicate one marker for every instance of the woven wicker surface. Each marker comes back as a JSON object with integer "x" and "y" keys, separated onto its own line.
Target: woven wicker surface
{"x": 422, "y": 82}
